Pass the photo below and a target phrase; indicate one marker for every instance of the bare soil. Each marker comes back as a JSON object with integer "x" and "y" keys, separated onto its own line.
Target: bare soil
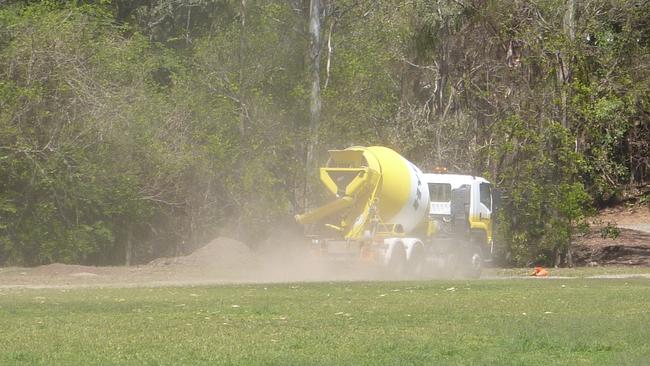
{"x": 221, "y": 261}
{"x": 624, "y": 215}
{"x": 630, "y": 247}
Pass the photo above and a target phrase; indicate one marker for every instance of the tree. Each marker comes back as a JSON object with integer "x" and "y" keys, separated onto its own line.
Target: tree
{"x": 163, "y": 123}
{"x": 315, "y": 99}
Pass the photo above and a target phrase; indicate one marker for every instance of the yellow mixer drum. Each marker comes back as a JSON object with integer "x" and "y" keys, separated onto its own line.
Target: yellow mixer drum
{"x": 369, "y": 181}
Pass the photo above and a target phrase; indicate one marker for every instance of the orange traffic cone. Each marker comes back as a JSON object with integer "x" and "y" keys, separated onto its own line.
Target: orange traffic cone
{"x": 539, "y": 272}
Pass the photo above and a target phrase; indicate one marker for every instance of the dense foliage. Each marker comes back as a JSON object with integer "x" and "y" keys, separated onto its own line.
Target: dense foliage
{"x": 134, "y": 129}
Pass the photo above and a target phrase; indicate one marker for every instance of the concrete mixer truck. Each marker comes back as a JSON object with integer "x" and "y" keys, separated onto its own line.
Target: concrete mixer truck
{"x": 385, "y": 210}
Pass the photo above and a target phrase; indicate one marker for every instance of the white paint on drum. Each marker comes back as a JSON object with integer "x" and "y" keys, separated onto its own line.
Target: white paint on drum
{"x": 417, "y": 205}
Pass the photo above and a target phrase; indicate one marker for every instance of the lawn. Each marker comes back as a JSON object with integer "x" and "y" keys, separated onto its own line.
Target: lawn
{"x": 486, "y": 322}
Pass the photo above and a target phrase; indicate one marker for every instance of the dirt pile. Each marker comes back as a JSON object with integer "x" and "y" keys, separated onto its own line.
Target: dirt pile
{"x": 64, "y": 269}
{"x": 283, "y": 257}
{"x": 221, "y": 255}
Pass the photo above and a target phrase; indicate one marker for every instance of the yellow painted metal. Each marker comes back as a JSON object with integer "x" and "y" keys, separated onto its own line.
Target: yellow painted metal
{"x": 369, "y": 183}
{"x": 483, "y": 224}
{"x": 328, "y": 181}
{"x": 348, "y": 158}
{"x": 325, "y": 210}
{"x": 432, "y": 228}
{"x": 396, "y": 182}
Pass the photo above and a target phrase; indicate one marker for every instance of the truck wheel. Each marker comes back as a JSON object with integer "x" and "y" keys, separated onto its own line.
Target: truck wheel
{"x": 397, "y": 261}
{"x": 473, "y": 262}
{"x": 452, "y": 264}
{"x": 465, "y": 261}
{"x": 415, "y": 264}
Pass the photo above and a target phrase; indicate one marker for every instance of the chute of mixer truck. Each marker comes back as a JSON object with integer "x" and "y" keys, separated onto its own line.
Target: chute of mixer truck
{"x": 385, "y": 210}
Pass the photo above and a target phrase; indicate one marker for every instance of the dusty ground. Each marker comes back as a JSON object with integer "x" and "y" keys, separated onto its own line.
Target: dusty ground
{"x": 223, "y": 260}
{"x": 284, "y": 260}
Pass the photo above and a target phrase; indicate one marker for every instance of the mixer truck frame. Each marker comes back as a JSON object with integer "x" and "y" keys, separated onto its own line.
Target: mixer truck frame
{"x": 385, "y": 210}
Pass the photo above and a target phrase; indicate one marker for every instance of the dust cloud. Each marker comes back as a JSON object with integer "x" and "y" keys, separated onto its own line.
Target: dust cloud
{"x": 284, "y": 257}
{"x": 281, "y": 258}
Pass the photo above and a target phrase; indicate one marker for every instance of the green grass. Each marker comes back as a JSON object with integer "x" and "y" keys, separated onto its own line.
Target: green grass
{"x": 497, "y": 322}
{"x": 570, "y": 272}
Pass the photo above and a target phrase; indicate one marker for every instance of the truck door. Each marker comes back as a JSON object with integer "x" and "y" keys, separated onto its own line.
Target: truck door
{"x": 485, "y": 209}
{"x": 460, "y": 209}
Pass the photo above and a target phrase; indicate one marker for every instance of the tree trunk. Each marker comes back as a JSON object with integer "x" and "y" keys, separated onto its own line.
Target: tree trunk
{"x": 569, "y": 255}
{"x": 129, "y": 246}
{"x": 315, "y": 102}
{"x": 565, "y": 70}
{"x": 242, "y": 53}
{"x": 569, "y": 27}
{"x": 329, "y": 54}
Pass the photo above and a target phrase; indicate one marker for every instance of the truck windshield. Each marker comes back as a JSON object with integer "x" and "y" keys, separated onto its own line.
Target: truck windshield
{"x": 440, "y": 192}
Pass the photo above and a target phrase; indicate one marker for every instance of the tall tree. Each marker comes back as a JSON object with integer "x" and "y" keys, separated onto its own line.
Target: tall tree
{"x": 315, "y": 98}
{"x": 565, "y": 59}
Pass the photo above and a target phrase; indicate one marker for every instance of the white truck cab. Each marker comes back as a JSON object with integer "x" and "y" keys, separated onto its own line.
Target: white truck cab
{"x": 479, "y": 201}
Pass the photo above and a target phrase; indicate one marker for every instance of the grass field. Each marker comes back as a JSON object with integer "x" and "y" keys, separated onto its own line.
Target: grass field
{"x": 487, "y": 322}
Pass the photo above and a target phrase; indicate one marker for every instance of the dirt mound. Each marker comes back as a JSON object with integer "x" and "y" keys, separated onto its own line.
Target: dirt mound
{"x": 221, "y": 254}
{"x": 283, "y": 257}
{"x": 631, "y": 247}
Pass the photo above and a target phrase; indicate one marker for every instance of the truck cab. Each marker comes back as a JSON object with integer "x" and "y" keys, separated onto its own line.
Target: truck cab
{"x": 474, "y": 197}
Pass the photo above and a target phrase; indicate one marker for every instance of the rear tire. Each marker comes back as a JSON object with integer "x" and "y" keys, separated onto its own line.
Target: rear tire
{"x": 465, "y": 261}
{"x": 397, "y": 261}
{"x": 415, "y": 265}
